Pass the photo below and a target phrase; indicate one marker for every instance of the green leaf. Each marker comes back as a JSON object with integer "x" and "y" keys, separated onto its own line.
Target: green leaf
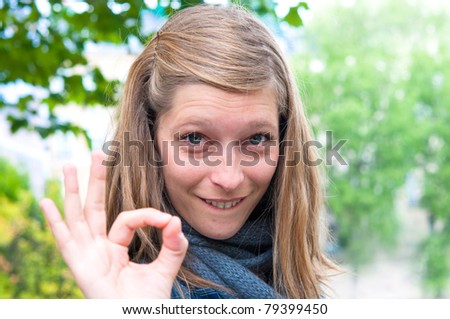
{"x": 293, "y": 18}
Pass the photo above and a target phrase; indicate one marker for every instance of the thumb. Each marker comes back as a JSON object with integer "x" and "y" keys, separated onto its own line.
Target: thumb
{"x": 173, "y": 249}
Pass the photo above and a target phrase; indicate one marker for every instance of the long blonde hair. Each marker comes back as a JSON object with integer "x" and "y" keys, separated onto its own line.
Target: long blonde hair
{"x": 227, "y": 48}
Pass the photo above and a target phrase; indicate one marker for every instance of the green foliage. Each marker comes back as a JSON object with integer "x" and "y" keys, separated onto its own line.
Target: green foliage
{"x": 432, "y": 92}
{"x": 355, "y": 99}
{"x": 30, "y": 264}
{"x": 46, "y": 44}
{"x": 293, "y": 17}
{"x": 436, "y": 253}
{"x": 376, "y": 75}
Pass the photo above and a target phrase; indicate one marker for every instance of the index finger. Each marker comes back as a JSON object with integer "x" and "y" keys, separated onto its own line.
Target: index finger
{"x": 95, "y": 199}
{"x": 59, "y": 228}
{"x": 126, "y": 223}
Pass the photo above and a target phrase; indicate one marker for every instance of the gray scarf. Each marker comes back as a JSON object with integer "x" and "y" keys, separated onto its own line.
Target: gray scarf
{"x": 242, "y": 263}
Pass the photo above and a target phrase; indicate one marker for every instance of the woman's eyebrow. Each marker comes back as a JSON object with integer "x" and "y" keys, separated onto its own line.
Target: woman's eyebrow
{"x": 262, "y": 124}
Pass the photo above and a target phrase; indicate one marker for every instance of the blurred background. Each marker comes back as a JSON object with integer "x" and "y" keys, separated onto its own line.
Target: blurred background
{"x": 373, "y": 75}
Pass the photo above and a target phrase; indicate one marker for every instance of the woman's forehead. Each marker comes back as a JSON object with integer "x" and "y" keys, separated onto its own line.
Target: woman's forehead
{"x": 205, "y": 104}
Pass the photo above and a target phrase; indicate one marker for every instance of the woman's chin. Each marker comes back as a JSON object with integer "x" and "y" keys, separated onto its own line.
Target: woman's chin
{"x": 218, "y": 233}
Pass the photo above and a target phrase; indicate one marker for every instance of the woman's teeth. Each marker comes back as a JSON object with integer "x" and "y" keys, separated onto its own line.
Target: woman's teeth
{"x": 223, "y": 205}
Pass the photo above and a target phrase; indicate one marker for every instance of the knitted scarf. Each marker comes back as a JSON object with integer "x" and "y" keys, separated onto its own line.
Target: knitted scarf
{"x": 242, "y": 263}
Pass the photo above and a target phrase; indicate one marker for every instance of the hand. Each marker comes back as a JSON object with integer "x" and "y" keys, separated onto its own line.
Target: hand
{"x": 99, "y": 261}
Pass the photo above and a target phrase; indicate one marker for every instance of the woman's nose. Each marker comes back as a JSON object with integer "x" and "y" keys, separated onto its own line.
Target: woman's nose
{"x": 228, "y": 174}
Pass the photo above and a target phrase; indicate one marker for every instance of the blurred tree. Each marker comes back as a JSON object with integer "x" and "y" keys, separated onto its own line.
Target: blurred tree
{"x": 376, "y": 74}
{"x": 30, "y": 264}
{"x": 45, "y": 45}
{"x": 432, "y": 91}
{"x": 355, "y": 72}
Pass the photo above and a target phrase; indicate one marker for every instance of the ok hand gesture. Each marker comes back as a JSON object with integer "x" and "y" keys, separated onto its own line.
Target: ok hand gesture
{"x": 99, "y": 261}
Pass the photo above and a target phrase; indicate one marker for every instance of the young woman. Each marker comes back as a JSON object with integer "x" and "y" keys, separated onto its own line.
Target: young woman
{"x": 208, "y": 153}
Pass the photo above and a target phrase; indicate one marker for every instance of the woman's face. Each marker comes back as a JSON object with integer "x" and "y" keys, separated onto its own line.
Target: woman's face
{"x": 219, "y": 152}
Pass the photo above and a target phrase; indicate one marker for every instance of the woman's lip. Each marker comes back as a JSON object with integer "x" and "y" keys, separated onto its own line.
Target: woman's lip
{"x": 223, "y": 200}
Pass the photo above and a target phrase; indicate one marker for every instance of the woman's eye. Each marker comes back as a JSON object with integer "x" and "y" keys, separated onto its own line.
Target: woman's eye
{"x": 258, "y": 139}
{"x": 194, "y": 138}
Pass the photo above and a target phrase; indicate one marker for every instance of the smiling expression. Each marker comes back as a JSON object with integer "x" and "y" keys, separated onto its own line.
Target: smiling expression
{"x": 220, "y": 154}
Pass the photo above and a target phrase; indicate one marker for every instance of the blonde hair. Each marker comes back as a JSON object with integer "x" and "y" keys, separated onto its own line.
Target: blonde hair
{"x": 227, "y": 48}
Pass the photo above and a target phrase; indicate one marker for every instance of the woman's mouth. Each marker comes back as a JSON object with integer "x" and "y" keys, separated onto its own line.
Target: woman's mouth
{"x": 222, "y": 204}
